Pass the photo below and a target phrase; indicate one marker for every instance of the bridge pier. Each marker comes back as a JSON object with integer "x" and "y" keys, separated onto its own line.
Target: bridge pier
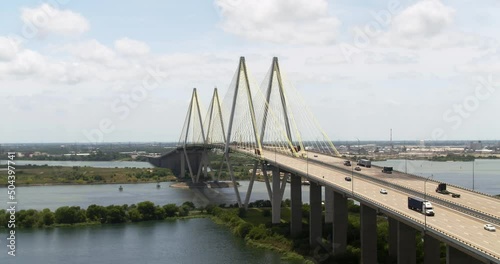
{"x": 393, "y": 238}
{"x": 296, "y": 205}
{"x": 432, "y": 250}
{"x": 276, "y": 201}
{"x": 407, "y": 248}
{"x": 339, "y": 223}
{"x": 368, "y": 234}
{"x": 183, "y": 165}
{"x": 328, "y": 205}
{"x": 315, "y": 223}
{"x": 455, "y": 256}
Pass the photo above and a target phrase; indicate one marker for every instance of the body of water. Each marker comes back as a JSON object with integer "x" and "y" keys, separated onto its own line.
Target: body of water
{"x": 52, "y": 197}
{"x": 482, "y": 175}
{"x": 173, "y": 241}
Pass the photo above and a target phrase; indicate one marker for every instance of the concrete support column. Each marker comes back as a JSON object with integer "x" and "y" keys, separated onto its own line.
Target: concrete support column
{"x": 205, "y": 165}
{"x": 407, "y": 248}
{"x": 455, "y": 256}
{"x": 393, "y": 238}
{"x": 368, "y": 235}
{"x": 276, "y": 201}
{"x": 315, "y": 223}
{"x": 328, "y": 205}
{"x": 339, "y": 223}
{"x": 183, "y": 164}
{"x": 432, "y": 250}
{"x": 296, "y": 206}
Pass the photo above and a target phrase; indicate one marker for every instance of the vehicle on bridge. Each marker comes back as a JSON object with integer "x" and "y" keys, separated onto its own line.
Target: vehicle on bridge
{"x": 387, "y": 170}
{"x": 365, "y": 163}
{"x": 420, "y": 205}
{"x": 347, "y": 163}
{"x": 489, "y": 227}
{"x": 442, "y": 189}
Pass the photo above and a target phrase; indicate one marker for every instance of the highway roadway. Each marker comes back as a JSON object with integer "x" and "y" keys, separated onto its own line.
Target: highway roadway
{"x": 458, "y": 225}
{"x": 483, "y": 203}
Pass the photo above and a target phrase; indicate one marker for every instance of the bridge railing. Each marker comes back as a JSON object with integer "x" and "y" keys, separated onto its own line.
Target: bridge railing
{"x": 419, "y": 222}
{"x": 457, "y": 206}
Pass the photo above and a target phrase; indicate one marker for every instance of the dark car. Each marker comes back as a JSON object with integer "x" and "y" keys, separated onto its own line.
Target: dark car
{"x": 348, "y": 178}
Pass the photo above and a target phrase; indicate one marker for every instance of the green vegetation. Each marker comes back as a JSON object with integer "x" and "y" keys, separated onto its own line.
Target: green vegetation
{"x": 252, "y": 225}
{"x": 96, "y": 214}
{"x": 94, "y": 156}
{"x": 36, "y": 175}
{"x": 240, "y": 163}
{"x": 456, "y": 157}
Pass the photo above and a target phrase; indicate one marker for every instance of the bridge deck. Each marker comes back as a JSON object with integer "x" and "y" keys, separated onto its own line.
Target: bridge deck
{"x": 459, "y": 226}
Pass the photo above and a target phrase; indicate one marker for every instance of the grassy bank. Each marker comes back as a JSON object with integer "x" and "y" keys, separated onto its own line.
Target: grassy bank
{"x": 51, "y": 175}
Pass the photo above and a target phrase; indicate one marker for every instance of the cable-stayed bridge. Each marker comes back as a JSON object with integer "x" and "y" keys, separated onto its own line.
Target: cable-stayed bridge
{"x": 272, "y": 125}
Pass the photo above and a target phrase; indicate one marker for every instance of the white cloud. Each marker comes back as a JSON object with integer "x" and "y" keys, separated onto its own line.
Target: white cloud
{"x": 8, "y": 49}
{"x": 46, "y": 19}
{"x": 131, "y": 47}
{"x": 424, "y": 19}
{"x": 27, "y": 62}
{"x": 280, "y": 21}
{"x": 427, "y": 23}
{"x": 91, "y": 50}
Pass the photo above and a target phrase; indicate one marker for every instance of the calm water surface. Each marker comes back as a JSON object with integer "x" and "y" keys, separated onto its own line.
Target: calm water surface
{"x": 482, "y": 174}
{"x": 177, "y": 241}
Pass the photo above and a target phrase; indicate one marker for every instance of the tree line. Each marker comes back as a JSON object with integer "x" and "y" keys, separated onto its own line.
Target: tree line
{"x": 112, "y": 214}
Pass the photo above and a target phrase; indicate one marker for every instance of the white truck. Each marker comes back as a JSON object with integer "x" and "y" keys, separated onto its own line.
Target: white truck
{"x": 420, "y": 205}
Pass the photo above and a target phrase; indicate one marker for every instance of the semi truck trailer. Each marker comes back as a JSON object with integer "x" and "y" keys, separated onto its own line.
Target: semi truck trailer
{"x": 364, "y": 162}
{"x": 442, "y": 189}
{"x": 420, "y": 205}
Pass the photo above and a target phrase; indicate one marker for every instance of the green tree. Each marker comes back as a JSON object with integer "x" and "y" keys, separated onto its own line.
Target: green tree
{"x": 70, "y": 215}
{"x": 134, "y": 215}
{"x": 189, "y": 205}
{"x": 116, "y": 214}
{"x": 147, "y": 210}
{"x": 183, "y": 211}
{"x": 96, "y": 213}
{"x": 170, "y": 209}
{"x": 160, "y": 213}
{"x": 47, "y": 217}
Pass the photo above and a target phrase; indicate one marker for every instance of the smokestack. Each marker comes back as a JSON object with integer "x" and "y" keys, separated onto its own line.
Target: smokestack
{"x": 391, "y": 140}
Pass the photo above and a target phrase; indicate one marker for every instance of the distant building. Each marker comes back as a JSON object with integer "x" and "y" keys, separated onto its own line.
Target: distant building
{"x": 475, "y": 145}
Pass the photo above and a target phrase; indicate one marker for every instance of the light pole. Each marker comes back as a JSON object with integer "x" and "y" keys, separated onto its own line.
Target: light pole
{"x": 307, "y": 164}
{"x": 352, "y": 181}
{"x": 425, "y": 199}
{"x": 473, "y": 161}
{"x": 359, "y": 148}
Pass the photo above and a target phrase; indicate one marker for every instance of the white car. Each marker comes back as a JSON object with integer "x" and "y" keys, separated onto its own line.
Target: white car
{"x": 489, "y": 227}
{"x": 383, "y": 191}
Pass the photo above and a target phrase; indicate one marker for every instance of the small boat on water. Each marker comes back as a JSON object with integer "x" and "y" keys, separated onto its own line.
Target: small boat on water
{"x": 158, "y": 185}
{"x": 120, "y": 188}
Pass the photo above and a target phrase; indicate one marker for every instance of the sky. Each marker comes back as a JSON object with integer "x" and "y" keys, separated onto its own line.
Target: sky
{"x": 120, "y": 71}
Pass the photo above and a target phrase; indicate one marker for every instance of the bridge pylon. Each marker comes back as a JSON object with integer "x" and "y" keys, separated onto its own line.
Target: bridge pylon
{"x": 193, "y": 134}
